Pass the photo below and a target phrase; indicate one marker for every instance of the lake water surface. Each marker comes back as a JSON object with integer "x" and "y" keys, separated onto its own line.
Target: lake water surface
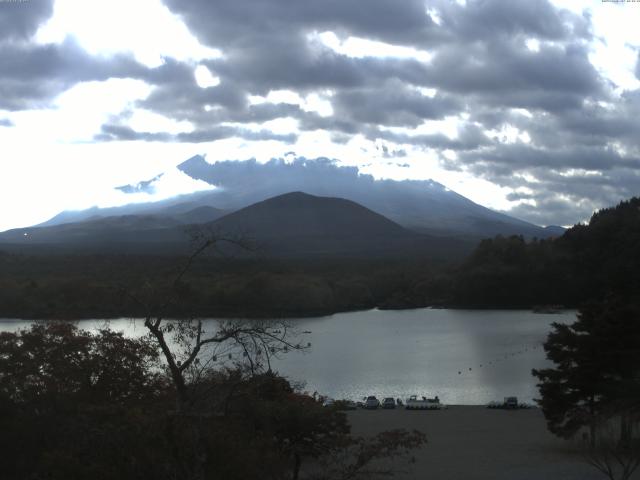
{"x": 464, "y": 356}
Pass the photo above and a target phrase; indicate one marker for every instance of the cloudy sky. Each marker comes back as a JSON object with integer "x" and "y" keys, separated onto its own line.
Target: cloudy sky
{"x": 527, "y": 106}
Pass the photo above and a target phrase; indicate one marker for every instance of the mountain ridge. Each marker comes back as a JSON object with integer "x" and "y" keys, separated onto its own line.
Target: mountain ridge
{"x": 295, "y": 224}
{"x": 421, "y": 205}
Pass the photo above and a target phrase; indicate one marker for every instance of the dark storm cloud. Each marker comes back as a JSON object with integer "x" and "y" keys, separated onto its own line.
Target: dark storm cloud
{"x": 240, "y": 26}
{"x": 32, "y": 75}
{"x": 469, "y": 138}
{"x": 567, "y": 185}
{"x": 19, "y": 20}
{"x": 478, "y": 50}
{"x": 521, "y": 155}
{"x": 570, "y": 199}
{"x": 125, "y": 133}
{"x": 306, "y": 66}
{"x": 481, "y": 67}
{"x": 393, "y": 104}
{"x": 508, "y": 74}
{"x": 486, "y": 20}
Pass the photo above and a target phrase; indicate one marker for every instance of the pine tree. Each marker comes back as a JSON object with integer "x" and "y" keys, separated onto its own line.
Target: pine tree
{"x": 597, "y": 368}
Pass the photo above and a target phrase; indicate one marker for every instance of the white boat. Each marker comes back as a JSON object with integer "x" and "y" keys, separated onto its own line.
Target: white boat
{"x": 423, "y": 403}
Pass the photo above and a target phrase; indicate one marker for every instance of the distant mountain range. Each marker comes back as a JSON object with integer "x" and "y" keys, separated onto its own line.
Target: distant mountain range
{"x": 341, "y": 212}
{"x": 295, "y": 224}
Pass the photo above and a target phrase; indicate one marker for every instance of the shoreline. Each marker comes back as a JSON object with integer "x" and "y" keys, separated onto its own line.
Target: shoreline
{"x": 281, "y": 316}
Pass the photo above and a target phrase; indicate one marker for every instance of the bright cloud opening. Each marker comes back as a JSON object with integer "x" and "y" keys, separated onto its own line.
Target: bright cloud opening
{"x": 145, "y": 28}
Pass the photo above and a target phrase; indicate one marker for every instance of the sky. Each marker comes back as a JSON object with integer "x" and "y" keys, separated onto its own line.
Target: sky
{"x": 525, "y": 106}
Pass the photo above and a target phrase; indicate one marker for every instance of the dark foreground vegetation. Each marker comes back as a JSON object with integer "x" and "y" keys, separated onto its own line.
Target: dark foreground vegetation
{"x": 505, "y": 272}
{"x": 76, "y": 405}
{"x": 592, "y": 391}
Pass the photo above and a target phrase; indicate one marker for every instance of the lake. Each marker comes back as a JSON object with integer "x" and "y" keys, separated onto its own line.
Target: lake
{"x": 466, "y": 357}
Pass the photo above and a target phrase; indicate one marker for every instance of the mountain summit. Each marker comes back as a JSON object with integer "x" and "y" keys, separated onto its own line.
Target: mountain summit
{"x": 298, "y": 214}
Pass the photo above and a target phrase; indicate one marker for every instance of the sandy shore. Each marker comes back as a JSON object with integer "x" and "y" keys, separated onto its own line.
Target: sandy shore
{"x": 475, "y": 443}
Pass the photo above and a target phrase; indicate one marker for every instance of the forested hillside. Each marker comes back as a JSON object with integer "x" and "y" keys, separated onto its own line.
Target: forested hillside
{"x": 587, "y": 261}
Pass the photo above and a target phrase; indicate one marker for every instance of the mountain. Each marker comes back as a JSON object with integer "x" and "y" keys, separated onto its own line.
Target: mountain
{"x": 163, "y": 232}
{"x": 290, "y": 225}
{"x": 118, "y": 234}
{"x": 299, "y": 224}
{"x": 424, "y": 206}
{"x": 299, "y": 214}
{"x": 172, "y": 207}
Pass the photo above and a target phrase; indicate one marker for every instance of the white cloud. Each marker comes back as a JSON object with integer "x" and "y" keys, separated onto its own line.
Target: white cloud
{"x": 318, "y": 102}
{"x": 508, "y": 134}
{"x": 204, "y": 77}
{"x": 79, "y": 112}
{"x": 361, "y": 47}
{"x": 146, "y": 121}
{"x": 145, "y": 28}
{"x": 615, "y": 25}
{"x": 533, "y": 44}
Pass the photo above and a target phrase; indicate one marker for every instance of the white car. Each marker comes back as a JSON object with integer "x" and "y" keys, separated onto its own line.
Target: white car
{"x": 389, "y": 402}
{"x": 371, "y": 402}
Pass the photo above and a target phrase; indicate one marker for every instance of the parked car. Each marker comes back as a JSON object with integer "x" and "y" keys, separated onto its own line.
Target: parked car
{"x": 511, "y": 403}
{"x": 389, "y": 402}
{"x": 328, "y": 402}
{"x": 371, "y": 402}
{"x": 345, "y": 405}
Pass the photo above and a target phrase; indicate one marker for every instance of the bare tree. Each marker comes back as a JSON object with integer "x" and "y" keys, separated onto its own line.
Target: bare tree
{"x": 191, "y": 346}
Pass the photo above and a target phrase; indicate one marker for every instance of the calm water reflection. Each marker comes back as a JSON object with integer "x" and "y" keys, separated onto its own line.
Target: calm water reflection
{"x": 463, "y": 356}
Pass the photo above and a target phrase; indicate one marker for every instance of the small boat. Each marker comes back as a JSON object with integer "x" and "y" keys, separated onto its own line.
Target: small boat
{"x": 423, "y": 403}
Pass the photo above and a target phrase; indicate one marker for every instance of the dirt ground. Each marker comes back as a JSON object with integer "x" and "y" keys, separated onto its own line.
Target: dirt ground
{"x": 475, "y": 443}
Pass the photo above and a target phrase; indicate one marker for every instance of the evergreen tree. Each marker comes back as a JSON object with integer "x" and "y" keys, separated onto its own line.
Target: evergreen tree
{"x": 597, "y": 368}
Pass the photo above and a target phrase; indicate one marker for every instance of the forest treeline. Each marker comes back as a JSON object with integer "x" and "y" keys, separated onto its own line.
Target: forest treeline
{"x": 76, "y": 286}
{"x": 503, "y": 272}
{"x": 588, "y": 261}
